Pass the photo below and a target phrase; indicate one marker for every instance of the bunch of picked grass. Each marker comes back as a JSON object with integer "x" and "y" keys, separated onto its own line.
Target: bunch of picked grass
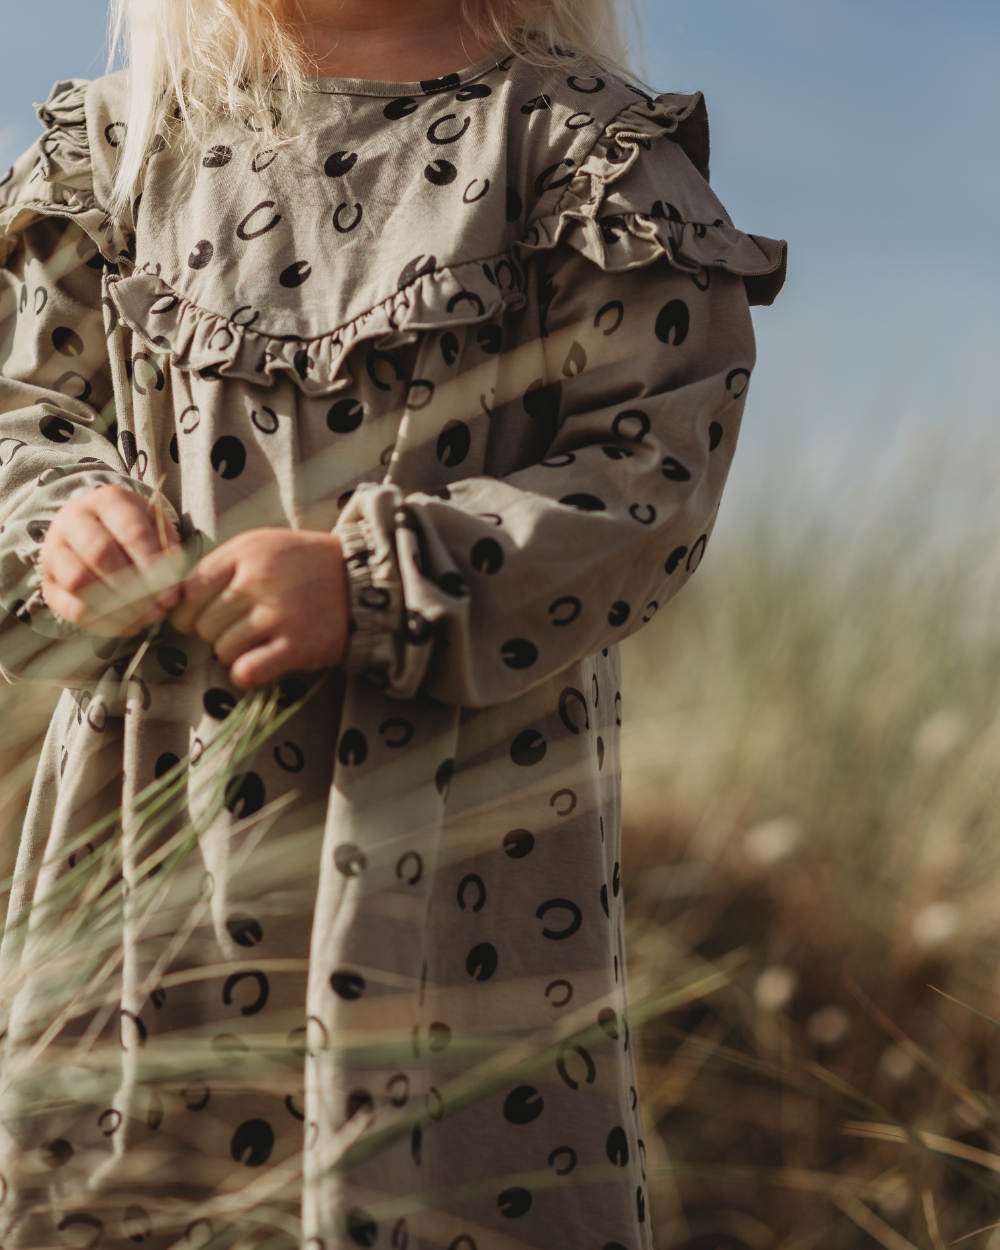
{"x": 812, "y": 777}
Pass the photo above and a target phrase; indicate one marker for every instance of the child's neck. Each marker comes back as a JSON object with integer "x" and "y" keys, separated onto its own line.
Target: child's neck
{"x": 386, "y": 40}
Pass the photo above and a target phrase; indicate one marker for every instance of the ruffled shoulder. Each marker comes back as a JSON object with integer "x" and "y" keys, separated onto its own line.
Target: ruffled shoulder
{"x": 56, "y": 176}
{"x": 643, "y": 193}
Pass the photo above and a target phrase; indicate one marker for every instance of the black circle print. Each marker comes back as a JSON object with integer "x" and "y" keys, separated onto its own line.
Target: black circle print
{"x": 340, "y": 163}
{"x": 343, "y": 226}
{"x": 244, "y": 930}
{"x": 673, "y": 322}
{"x": 518, "y": 843}
{"x": 674, "y": 471}
{"x": 715, "y": 433}
{"x": 362, "y": 1229}
{"x": 263, "y": 991}
{"x": 56, "y": 1153}
{"x": 519, "y": 653}
{"x": 472, "y": 880}
{"x": 345, "y": 415}
{"x": 454, "y": 443}
{"x": 349, "y": 859}
{"x": 514, "y": 1202}
{"x": 528, "y": 748}
{"x": 487, "y": 556}
{"x": 400, "y": 108}
{"x": 218, "y": 156}
{"x": 435, "y": 136}
{"x": 246, "y": 235}
{"x": 229, "y": 456}
{"x": 481, "y": 962}
{"x": 440, "y": 173}
{"x": 617, "y": 1147}
{"x": 245, "y": 794}
{"x": 523, "y": 1105}
{"x": 252, "y": 1143}
{"x": 219, "y": 703}
{"x": 347, "y": 985}
{"x": 514, "y": 205}
{"x": 560, "y": 904}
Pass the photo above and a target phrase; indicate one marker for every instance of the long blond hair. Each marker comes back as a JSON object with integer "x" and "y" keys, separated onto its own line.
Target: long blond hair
{"x": 218, "y": 59}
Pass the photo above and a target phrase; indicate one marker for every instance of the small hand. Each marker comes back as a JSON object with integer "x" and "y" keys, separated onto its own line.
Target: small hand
{"x": 104, "y": 564}
{"x": 272, "y": 602}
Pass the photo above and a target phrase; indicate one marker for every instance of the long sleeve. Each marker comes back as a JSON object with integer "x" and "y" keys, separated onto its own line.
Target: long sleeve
{"x": 488, "y": 591}
{"x": 59, "y": 434}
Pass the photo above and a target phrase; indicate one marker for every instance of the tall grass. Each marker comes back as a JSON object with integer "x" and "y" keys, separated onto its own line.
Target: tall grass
{"x": 812, "y": 782}
{"x": 812, "y": 774}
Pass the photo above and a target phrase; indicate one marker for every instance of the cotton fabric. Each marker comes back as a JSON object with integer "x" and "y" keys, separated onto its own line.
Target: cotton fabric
{"x": 494, "y": 330}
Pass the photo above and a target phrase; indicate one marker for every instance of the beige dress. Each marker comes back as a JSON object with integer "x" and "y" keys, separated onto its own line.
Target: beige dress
{"x": 494, "y": 330}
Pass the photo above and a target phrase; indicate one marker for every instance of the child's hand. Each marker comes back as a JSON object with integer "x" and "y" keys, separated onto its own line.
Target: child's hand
{"x": 272, "y": 602}
{"x": 103, "y": 565}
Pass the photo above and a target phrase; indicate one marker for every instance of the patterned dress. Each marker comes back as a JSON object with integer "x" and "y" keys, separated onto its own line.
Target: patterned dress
{"x": 494, "y": 330}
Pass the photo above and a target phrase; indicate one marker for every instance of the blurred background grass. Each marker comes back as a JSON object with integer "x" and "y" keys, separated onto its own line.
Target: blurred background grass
{"x": 812, "y": 776}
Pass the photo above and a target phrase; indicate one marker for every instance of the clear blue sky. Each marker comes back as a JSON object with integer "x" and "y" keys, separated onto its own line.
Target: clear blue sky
{"x": 863, "y": 131}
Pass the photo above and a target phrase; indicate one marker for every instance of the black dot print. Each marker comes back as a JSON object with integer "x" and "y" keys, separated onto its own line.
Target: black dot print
{"x": 173, "y": 450}
{"x": 229, "y": 456}
{"x": 487, "y": 556}
{"x": 398, "y": 109}
{"x": 673, "y": 322}
{"x": 245, "y": 794}
{"x": 715, "y": 433}
{"x": 514, "y": 1202}
{"x": 528, "y": 748}
{"x": 358, "y": 1100}
{"x": 523, "y": 1105}
{"x": 619, "y": 613}
{"x": 454, "y": 443}
{"x": 674, "y": 471}
{"x": 472, "y": 91}
{"x": 674, "y": 559}
{"x": 67, "y": 342}
{"x": 440, "y": 173}
{"x": 583, "y": 502}
{"x": 350, "y": 859}
{"x": 244, "y": 930}
{"x": 219, "y": 703}
{"x": 172, "y": 660}
{"x": 353, "y": 748}
{"x": 290, "y": 690}
{"x": 340, "y": 163}
{"x": 434, "y": 86}
{"x": 345, "y": 416}
{"x": 443, "y": 776}
{"x": 608, "y": 1020}
{"x": 490, "y": 339}
{"x": 617, "y": 1147}
{"x": 347, "y": 985}
{"x": 519, "y": 653}
{"x": 252, "y": 1143}
{"x": 481, "y": 962}
{"x": 295, "y": 274}
{"x": 218, "y": 156}
{"x": 57, "y": 429}
{"x": 362, "y": 1229}
{"x": 518, "y": 843}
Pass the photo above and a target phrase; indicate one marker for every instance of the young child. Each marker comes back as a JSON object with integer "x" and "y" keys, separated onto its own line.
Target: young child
{"x": 403, "y": 393}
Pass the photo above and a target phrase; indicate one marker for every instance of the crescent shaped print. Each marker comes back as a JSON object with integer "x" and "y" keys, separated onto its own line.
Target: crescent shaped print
{"x": 474, "y": 199}
{"x": 441, "y": 140}
{"x": 339, "y": 226}
{"x": 242, "y": 231}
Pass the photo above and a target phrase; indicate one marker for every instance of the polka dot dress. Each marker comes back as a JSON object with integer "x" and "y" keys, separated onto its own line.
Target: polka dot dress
{"x": 494, "y": 330}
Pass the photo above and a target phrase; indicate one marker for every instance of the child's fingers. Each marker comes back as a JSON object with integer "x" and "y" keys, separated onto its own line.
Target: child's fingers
{"x": 241, "y": 636}
{"x": 127, "y": 516}
{"x": 207, "y": 580}
{"x": 260, "y": 665}
{"x": 226, "y": 610}
{"x": 96, "y": 547}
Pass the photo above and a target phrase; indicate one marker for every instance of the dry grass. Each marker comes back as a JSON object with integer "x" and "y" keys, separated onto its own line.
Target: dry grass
{"x": 813, "y": 777}
{"x": 813, "y": 782}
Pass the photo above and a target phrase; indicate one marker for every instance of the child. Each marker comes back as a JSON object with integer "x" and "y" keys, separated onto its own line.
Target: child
{"x": 399, "y": 394}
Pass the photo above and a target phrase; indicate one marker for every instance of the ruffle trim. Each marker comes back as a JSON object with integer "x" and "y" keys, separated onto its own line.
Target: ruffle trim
{"x": 61, "y": 182}
{"x": 621, "y": 241}
{"x": 212, "y": 345}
